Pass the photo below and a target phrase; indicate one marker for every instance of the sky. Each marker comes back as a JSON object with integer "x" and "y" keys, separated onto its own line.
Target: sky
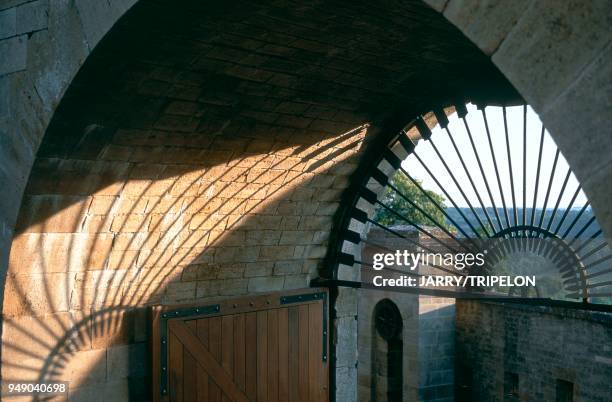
{"x": 475, "y": 121}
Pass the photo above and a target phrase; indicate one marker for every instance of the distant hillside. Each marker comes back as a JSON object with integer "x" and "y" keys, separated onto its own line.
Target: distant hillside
{"x": 455, "y": 214}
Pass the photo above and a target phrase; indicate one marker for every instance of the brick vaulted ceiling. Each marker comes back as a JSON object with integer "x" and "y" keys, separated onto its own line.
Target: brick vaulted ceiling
{"x": 217, "y": 65}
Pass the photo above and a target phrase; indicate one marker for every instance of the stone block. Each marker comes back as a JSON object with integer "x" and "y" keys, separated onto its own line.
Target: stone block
{"x": 346, "y": 302}
{"x": 131, "y": 223}
{"x": 346, "y": 384}
{"x": 96, "y": 17}
{"x": 116, "y": 391}
{"x": 271, "y": 253}
{"x": 56, "y": 214}
{"x": 122, "y": 260}
{"x": 262, "y": 237}
{"x": 32, "y": 16}
{"x": 296, "y": 281}
{"x": 8, "y": 23}
{"x": 82, "y": 368}
{"x": 265, "y": 284}
{"x": 295, "y": 237}
{"x": 16, "y": 49}
{"x": 28, "y": 335}
{"x": 127, "y": 361}
{"x": 38, "y": 294}
{"x": 291, "y": 267}
{"x": 237, "y": 254}
{"x": 346, "y": 341}
{"x": 473, "y": 18}
{"x": 258, "y": 269}
{"x": 224, "y": 287}
{"x": 551, "y": 45}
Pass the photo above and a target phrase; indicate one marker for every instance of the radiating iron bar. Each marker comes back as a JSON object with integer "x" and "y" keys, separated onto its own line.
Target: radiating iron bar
{"x": 576, "y": 219}
{"x": 469, "y": 176}
{"x": 415, "y": 243}
{"x": 387, "y": 269}
{"x": 515, "y": 212}
{"x": 550, "y": 182}
{"x": 581, "y": 231}
{"x": 524, "y": 165}
{"x": 567, "y": 210}
{"x": 379, "y": 246}
{"x": 367, "y": 264}
{"x": 484, "y": 177}
{"x": 537, "y": 180}
{"x": 387, "y": 229}
{"x": 499, "y": 185}
{"x": 410, "y": 273}
{"x": 435, "y": 203}
{"x": 603, "y": 272}
{"x": 452, "y": 176}
{"x": 555, "y": 209}
{"x": 599, "y": 284}
{"x": 594, "y": 250}
{"x": 359, "y": 262}
{"x": 419, "y": 228}
{"x": 597, "y": 262}
{"x": 577, "y": 250}
{"x": 606, "y": 294}
{"x": 398, "y": 271}
{"x": 427, "y": 215}
{"x": 446, "y": 194}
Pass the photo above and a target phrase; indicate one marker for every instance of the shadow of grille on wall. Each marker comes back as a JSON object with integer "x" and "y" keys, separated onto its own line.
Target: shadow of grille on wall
{"x": 493, "y": 181}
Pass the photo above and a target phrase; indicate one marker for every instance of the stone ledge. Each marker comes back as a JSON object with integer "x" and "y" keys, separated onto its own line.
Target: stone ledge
{"x": 576, "y": 312}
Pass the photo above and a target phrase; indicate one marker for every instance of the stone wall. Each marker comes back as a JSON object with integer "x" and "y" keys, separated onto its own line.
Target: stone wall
{"x": 176, "y": 126}
{"x": 542, "y": 346}
{"x": 142, "y": 223}
{"x": 428, "y": 332}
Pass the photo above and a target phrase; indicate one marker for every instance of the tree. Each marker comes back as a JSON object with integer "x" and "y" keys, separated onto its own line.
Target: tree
{"x": 398, "y": 204}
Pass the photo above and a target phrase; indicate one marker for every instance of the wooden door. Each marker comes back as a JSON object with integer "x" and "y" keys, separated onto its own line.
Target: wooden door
{"x": 270, "y": 348}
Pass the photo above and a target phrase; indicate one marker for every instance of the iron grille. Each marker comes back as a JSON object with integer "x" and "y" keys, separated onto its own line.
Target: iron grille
{"x": 510, "y": 198}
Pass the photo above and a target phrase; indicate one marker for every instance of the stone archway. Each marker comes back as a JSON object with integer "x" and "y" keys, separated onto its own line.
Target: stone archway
{"x": 311, "y": 143}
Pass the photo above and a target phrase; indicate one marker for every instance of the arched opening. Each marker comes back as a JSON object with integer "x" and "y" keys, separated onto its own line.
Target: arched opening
{"x": 201, "y": 151}
{"x": 492, "y": 183}
{"x": 388, "y": 352}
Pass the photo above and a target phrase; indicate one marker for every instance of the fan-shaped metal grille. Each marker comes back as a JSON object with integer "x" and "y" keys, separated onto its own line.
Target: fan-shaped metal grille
{"x": 506, "y": 188}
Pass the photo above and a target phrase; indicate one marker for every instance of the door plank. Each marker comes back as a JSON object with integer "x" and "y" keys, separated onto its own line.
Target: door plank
{"x": 202, "y": 330}
{"x": 227, "y": 347}
{"x": 283, "y": 354}
{"x": 207, "y": 360}
{"x": 175, "y": 375}
{"x": 190, "y": 377}
{"x": 272, "y": 356}
{"x": 214, "y": 346}
{"x": 250, "y": 350}
{"x": 239, "y": 355}
{"x": 202, "y": 384}
{"x": 315, "y": 347}
{"x": 303, "y": 381}
{"x": 294, "y": 347}
{"x": 262, "y": 356}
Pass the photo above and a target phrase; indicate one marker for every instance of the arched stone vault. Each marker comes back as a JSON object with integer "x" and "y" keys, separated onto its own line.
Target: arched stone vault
{"x": 203, "y": 150}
